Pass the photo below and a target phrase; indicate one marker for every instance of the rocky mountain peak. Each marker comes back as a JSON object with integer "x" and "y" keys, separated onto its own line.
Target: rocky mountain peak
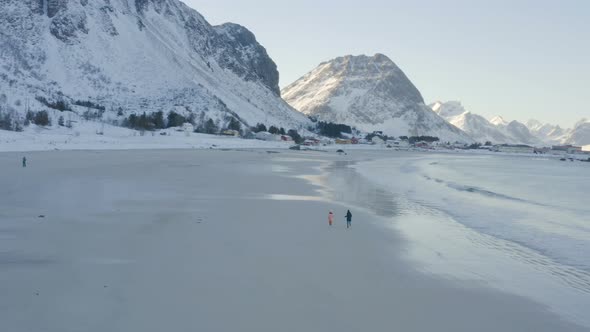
{"x": 498, "y": 121}
{"x": 371, "y": 93}
{"x": 448, "y": 109}
{"x": 141, "y": 55}
{"x": 377, "y": 72}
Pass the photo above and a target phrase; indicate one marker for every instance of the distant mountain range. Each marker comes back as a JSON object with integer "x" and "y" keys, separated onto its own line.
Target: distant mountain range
{"x": 498, "y": 130}
{"x": 107, "y": 60}
{"x": 476, "y": 126}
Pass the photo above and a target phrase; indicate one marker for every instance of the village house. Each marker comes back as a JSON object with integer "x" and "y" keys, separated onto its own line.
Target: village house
{"x": 266, "y": 136}
{"x": 459, "y": 145}
{"x": 397, "y": 143}
{"x": 187, "y": 127}
{"x": 566, "y": 149}
{"x": 343, "y": 141}
{"x": 311, "y": 142}
{"x": 231, "y": 132}
{"x": 377, "y": 140}
{"x": 422, "y": 144}
{"x": 543, "y": 150}
{"x": 363, "y": 141}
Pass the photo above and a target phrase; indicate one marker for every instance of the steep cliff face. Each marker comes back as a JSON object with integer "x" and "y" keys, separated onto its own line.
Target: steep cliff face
{"x": 371, "y": 93}
{"x": 242, "y": 54}
{"x": 138, "y": 55}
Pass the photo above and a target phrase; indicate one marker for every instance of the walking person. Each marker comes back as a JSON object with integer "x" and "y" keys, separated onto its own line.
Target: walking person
{"x": 24, "y": 161}
{"x": 348, "y": 219}
{"x": 330, "y": 218}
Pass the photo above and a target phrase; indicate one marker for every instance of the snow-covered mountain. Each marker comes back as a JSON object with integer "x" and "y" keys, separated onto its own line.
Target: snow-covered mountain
{"x": 135, "y": 56}
{"x": 580, "y": 134}
{"x": 370, "y": 93}
{"x": 554, "y": 134}
{"x": 498, "y": 121}
{"x": 496, "y": 130}
{"x": 517, "y": 132}
{"x": 533, "y": 125}
{"x": 548, "y": 133}
{"x": 476, "y": 126}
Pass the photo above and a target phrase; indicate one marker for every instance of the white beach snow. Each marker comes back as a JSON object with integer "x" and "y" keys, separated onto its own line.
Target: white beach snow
{"x": 84, "y": 137}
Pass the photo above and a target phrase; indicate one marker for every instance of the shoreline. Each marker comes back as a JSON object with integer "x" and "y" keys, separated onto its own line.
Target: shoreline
{"x": 383, "y": 215}
{"x": 448, "y": 240}
{"x": 85, "y": 138}
{"x": 175, "y": 241}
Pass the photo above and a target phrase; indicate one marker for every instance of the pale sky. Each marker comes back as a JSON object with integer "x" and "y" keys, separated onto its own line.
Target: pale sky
{"x": 517, "y": 58}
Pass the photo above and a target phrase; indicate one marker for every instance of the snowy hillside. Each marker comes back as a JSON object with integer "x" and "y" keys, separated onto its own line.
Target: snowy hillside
{"x": 548, "y": 133}
{"x": 554, "y": 134}
{"x": 134, "y": 56}
{"x": 476, "y": 126}
{"x": 520, "y": 133}
{"x": 580, "y": 134}
{"x": 497, "y": 130}
{"x": 371, "y": 93}
{"x": 498, "y": 121}
{"x": 533, "y": 125}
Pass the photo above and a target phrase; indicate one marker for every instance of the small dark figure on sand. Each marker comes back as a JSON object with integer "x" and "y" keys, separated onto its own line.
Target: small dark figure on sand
{"x": 348, "y": 219}
{"x": 24, "y": 161}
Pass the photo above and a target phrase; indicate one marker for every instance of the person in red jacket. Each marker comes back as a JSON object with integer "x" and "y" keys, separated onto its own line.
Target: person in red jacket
{"x": 330, "y": 218}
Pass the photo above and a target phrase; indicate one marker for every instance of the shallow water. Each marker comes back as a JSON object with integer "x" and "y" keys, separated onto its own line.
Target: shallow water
{"x": 516, "y": 223}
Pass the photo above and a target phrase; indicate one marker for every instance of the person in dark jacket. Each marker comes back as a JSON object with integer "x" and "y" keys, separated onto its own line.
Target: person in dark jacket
{"x": 348, "y": 219}
{"x": 24, "y": 161}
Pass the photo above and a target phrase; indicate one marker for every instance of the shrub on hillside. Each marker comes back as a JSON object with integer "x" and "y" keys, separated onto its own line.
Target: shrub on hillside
{"x": 41, "y": 118}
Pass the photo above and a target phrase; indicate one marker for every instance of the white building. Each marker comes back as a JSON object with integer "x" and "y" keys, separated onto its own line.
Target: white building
{"x": 398, "y": 143}
{"x": 377, "y": 140}
{"x": 266, "y": 136}
{"x": 517, "y": 148}
{"x": 566, "y": 149}
{"x": 231, "y": 132}
{"x": 188, "y": 128}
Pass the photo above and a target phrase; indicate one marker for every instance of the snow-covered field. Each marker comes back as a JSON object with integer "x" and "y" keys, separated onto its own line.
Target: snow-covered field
{"x": 212, "y": 240}
{"x": 84, "y": 137}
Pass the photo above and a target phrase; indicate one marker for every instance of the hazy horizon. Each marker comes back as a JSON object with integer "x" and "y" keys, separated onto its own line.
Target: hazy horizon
{"x": 517, "y": 59}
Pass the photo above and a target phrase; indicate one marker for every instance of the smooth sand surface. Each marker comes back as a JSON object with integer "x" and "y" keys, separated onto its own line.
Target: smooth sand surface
{"x": 196, "y": 240}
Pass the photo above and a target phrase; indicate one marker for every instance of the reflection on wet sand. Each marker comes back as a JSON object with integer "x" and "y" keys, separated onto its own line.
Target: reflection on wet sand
{"x": 348, "y": 187}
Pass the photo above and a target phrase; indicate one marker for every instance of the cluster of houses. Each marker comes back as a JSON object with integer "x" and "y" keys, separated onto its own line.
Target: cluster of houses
{"x": 565, "y": 149}
{"x": 311, "y": 141}
{"x": 512, "y": 148}
{"x": 266, "y": 136}
{"x": 377, "y": 138}
{"x": 314, "y": 141}
{"x": 521, "y": 148}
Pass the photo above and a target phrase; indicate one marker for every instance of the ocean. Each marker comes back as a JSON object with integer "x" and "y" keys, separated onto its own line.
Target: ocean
{"x": 520, "y": 224}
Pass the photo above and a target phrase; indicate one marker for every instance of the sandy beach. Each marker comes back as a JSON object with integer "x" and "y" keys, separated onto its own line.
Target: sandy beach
{"x": 232, "y": 240}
